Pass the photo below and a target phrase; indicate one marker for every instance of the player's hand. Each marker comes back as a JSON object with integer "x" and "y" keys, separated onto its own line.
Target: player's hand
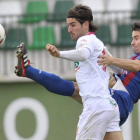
{"x": 112, "y": 80}
{"x": 52, "y": 50}
{"x": 105, "y": 59}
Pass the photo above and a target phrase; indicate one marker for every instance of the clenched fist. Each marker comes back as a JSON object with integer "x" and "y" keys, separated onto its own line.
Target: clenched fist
{"x": 52, "y": 50}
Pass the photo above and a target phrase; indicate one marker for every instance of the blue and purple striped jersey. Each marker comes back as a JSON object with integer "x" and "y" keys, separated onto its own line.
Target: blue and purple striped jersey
{"x": 131, "y": 81}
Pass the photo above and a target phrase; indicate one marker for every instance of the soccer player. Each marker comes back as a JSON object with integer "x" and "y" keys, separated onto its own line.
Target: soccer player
{"x": 131, "y": 74}
{"x": 103, "y": 115}
{"x": 92, "y": 80}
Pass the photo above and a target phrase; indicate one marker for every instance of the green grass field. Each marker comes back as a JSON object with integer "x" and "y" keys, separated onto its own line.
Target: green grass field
{"x": 63, "y": 112}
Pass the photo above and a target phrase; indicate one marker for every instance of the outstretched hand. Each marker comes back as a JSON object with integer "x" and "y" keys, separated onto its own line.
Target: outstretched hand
{"x": 105, "y": 59}
{"x": 52, "y": 50}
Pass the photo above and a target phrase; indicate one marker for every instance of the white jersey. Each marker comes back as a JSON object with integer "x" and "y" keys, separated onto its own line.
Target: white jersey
{"x": 91, "y": 78}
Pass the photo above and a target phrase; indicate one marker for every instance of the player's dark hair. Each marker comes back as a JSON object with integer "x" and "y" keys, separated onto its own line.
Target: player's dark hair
{"x": 82, "y": 14}
{"x": 136, "y": 26}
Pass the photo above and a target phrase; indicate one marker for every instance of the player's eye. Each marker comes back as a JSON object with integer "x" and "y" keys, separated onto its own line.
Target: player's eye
{"x": 73, "y": 25}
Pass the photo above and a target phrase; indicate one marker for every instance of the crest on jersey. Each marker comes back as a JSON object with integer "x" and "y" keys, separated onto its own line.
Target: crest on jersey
{"x": 76, "y": 64}
{"x": 113, "y": 102}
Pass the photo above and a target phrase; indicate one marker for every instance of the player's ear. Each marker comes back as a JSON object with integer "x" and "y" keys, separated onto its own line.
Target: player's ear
{"x": 86, "y": 25}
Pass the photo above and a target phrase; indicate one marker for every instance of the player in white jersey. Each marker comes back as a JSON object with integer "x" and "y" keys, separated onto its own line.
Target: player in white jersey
{"x": 100, "y": 111}
{"x": 91, "y": 78}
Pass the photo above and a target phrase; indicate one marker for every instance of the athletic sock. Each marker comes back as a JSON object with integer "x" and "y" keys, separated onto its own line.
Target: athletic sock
{"x": 51, "y": 82}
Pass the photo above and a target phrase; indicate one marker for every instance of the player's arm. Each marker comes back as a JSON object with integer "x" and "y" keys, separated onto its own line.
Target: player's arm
{"x": 126, "y": 64}
{"x": 81, "y": 54}
{"x": 112, "y": 80}
{"x": 76, "y": 95}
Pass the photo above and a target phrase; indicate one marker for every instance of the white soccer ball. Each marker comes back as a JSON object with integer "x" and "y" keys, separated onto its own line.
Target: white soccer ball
{"x": 2, "y": 35}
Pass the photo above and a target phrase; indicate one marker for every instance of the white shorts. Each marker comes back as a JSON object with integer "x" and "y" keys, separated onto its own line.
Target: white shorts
{"x": 98, "y": 117}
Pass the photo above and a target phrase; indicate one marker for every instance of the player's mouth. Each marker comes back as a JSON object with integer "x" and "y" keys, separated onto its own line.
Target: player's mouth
{"x": 71, "y": 35}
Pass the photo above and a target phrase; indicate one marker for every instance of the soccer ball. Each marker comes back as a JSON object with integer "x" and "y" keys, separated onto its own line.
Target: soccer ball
{"x": 2, "y": 35}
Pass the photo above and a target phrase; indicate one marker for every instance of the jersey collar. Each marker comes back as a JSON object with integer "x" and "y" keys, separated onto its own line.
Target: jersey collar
{"x": 90, "y": 33}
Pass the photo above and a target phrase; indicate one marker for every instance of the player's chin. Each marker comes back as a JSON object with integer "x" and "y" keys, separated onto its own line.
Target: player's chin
{"x": 136, "y": 51}
{"x": 73, "y": 39}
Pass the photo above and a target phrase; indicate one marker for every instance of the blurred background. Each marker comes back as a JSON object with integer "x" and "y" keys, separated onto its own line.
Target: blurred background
{"x": 27, "y": 110}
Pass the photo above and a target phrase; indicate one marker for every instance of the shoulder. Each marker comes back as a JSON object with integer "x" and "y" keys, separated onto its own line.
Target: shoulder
{"x": 87, "y": 39}
{"x": 134, "y": 57}
{"x": 138, "y": 57}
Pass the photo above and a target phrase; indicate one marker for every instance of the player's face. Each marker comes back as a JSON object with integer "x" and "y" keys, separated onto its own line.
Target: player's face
{"x": 136, "y": 41}
{"x": 75, "y": 29}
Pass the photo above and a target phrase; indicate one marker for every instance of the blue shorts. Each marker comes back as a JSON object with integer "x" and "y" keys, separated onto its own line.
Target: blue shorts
{"x": 125, "y": 104}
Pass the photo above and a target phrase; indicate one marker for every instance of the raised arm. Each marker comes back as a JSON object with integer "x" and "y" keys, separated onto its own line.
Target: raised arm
{"x": 126, "y": 64}
{"x": 81, "y": 54}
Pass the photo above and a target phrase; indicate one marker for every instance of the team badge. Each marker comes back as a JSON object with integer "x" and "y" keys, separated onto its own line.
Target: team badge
{"x": 76, "y": 64}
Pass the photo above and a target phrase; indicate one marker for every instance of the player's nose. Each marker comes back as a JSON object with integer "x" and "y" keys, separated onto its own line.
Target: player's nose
{"x": 69, "y": 29}
{"x": 132, "y": 42}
